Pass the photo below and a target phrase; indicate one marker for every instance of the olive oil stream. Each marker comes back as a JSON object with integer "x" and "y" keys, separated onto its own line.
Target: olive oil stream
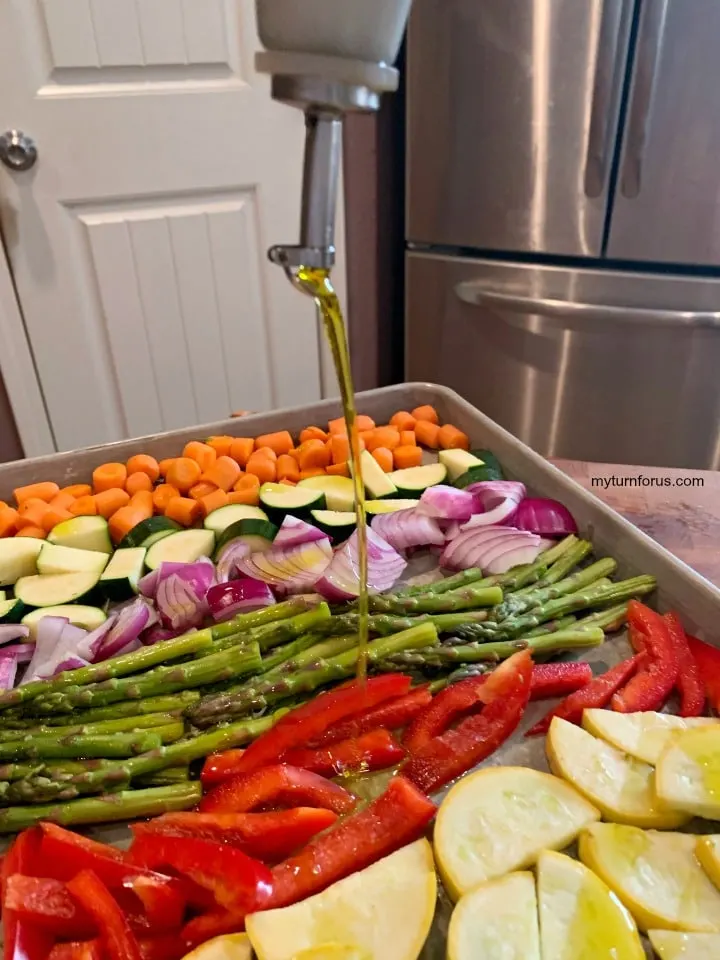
{"x": 316, "y": 283}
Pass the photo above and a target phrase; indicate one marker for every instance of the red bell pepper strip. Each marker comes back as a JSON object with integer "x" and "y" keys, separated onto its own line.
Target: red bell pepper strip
{"x": 219, "y": 767}
{"x": 376, "y": 750}
{"x": 707, "y": 659}
{"x": 689, "y": 682}
{"x": 279, "y": 785}
{"x": 655, "y": 679}
{"x": 394, "y": 819}
{"x": 46, "y": 903}
{"x": 506, "y": 693}
{"x": 559, "y": 679}
{"x": 267, "y": 836}
{"x": 214, "y": 924}
{"x": 237, "y": 882}
{"x": 597, "y": 693}
{"x": 22, "y": 940}
{"x": 392, "y": 715}
{"x": 117, "y": 938}
{"x": 79, "y": 950}
{"x": 305, "y": 723}
{"x": 165, "y": 947}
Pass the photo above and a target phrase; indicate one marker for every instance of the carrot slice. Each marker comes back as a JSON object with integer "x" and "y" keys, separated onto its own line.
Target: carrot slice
{"x": 248, "y": 481}
{"x": 280, "y": 442}
{"x": 221, "y": 445}
{"x": 408, "y": 456}
{"x": 241, "y": 450}
{"x": 312, "y": 433}
{"x": 37, "y": 532}
{"x": 109, "y": 501}
{"x": 109, "y": 476}
{"x": 142, "y": 501}
{"x": 184, "y": 473}
{"x": 36, "y": 491}
{"x": 295, "y": 452}
{"x": 163, "y": 494}
{"x": 407, "y": 438}
{"x": 403, "y": 420}
{"x": 213, "y": 501}
{"x": 76, "y": 490}
{"x": 340, "y": 448}
{"x": 386, "y": 437}
{"x": 30, "y": 504}
{"x": 287, "y": 468}
{"x": 201, "y": 453}
{"x": 384, "y": 458}
{"x": 84, "y": 507}
{"x": 224, "y": 473}
{"x": 33, "y": 516}
{"x": 427, "y": 413}
{"x": 427, "y": 434}
{"x": 54, "y": 516}
{"x": 143, "y": 463}
{"x": 123, "y": 521}
{"x": 312, "y": 472}
{"x": 363, "y": 422}
{"x": 314, "y": 454}
{"x": 453, "y": 439}
{"x": 8, "y": 521}
{"x": 249, "y": 496}
{"x": 266, "y": 452}
{"x": 200, "y": 490}
{"x": 338, "y": 470}
{"x": 183, "y": 510}
{"x": 337, "y": 425}
{"x": 288, "y": 483}
{"x": 136, "y": 482}
{"x": 62, "y": 501}
{"x": 164, "y": 466}
{"x": 262, "y": 467}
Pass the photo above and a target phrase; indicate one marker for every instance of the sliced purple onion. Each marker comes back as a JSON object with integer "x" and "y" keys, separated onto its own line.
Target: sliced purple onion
{"x": 8, "y": 670}
{"x": 157, "y": 634}
{"x": 13, "y": 631}
{"x": 549, "y": 518}
{"x": 20, "y": 652}
{"x": 447, "y": 503}
{"x": 56, "y": 648}
{"x": 200, "y": 571}
{"x": 180, "y": 603}
{"x": 408, "y": 528}
{"x": 292, "y": 570}
{"x": 228, "y": 566}
{"x": 120, "y": 629}
{"x": 226, "y": 600}
{"x": 499, "y": 500}
{"x": 294, "y": 531}
{"x": 341, "y": 580}
{"x": 485, "y": 547}
{"x": 513, "y": 556}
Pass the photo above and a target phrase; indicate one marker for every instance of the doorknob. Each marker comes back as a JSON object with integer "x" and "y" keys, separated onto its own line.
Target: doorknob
{"x": 17, "y": 150}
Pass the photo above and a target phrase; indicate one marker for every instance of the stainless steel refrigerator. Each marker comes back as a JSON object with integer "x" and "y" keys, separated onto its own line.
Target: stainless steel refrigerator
{"x": 563, "y": 220}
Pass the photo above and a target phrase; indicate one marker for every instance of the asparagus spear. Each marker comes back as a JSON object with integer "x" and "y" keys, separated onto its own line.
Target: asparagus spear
{"x": 108, "y": 745}
{"x": 385, "y": 624}
{"x": 18, "y": 771}
{"x": 269, "y": 690}
{"x": 235, "y": 662}
{"x": 611, "y": 619}
{"x": 176, "y": 702}
{"x": 462, "y": 579}
{"x": 162, "y": 778}
{"x": 516, "y": 604}
{"x": 552, "y": 626}
{"x": 466, "y": 598}
{"x": 275, "y": 634}
{"x": 123, "y": 725}
{"x": 299, "y": 658}
{"x": 558, "y": 570}
{"x": 128, "y": 805}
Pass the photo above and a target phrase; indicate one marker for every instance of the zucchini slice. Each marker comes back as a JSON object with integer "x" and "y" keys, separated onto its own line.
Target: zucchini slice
{"x": 458, "y": 462}
{"x": 89, "y": 618}
{"x": 337, "y": 524}
{"x": 490, "y": 469}
{"x": 120, "y": 579}
{"x": 374, "y": 507}
{"x": 413, "y": 481}
{"x": 339, "y": 491}
{"x": 219, "y": 520}
{"x": 56, "y": 559}
{"x": 280, "y": 499}
{"x": 148, "y": 532}
{"x": 11, "y": 611}
{"x": 18, "y": 558}
{"x": 377, "y": 483}
{"x": 82, "y": 533}
{"x": 258, "y": 534}
{"x": 56, "y": 588}
{"x": 183, "y": 547}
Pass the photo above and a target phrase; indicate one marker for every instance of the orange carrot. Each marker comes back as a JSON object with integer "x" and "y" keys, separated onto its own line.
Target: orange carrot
{"x": 338, "y": 470}
{"x": 201, "y": 453}
{"x": 241, "y": 450}
{"x": 288, "y": 483}
{"x": 340, "y": 446}
{"x": 384, "y": 458}
{"x": 312, "y": 472}
{"x": 295, "y": 452}
{"x": 281, "y": 442}
{"x": 407, "y": 438}
{"x": 136, "y": 482}
{"x": 427, "y": 434}
{"x": 287, "y": 468}
{"x": 163, "y": 494}
{"x": 142, "y": 501}
{"x": 312, "y": 433}
{"x": 266, "y": 452}
{"x": 337, "y": 425}
{"x": 366, "y": 436}
{"x": 247, "y": 482}
{"x": 8, "y": 521}
{"x": 37, "y": 532}
{"x": 213, "y": 501}
{"x": 453, "y": 439}
{"x": 124, "y": 520}
{"x": 84, "y": 507}
{"x": 223, "y": 473}
{"x": 33, "y": 516}
{"x": 314, "y": 454}
{"x": 62, "y": 501}
{"x": 184, "y": 473}
{"x": 262, "y": 467}
{"x": 249, "y": 496}
{"x": 200, "y": 490}
{"x": 427, "y": 413}
{"x": 37, "y": 491}
{"x": 54, "y": 516}
{"x": 78, "y": 490}
{"x": 363, "y": 422}
{"x": 31, "y": 504}
{"x": 403, "y": 420}
{"x": 109, "y": 501}
{"x": 386, "y": 437}
{"x": 143, "y": 463}
{"x": 164, "y": 466}
{"x": 221, "y": 445}
{"x": 408, "y": 456}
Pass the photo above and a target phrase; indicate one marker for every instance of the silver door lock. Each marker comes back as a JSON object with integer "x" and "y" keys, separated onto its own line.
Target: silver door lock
{"x": 17, "y": 150}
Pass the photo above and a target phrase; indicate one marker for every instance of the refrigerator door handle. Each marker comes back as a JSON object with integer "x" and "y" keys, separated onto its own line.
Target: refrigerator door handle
{"x": 566, "y": 312}
{"x": 649, "y": 50}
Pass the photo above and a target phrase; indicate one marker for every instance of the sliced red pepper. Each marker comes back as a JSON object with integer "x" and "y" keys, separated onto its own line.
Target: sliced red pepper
{"x": 22, "y": 940}
{"x": 305, "y": 723}
{"x": 219, "y": 767}
{"x": 267, "y": 836}
{"x": 397, "y": 817}
{"x": 654, "y": 681}
{"x": 165, "y": 947}
{"x": 506, "y": 693}
{"x": 214, "y": 924}
{"x": 164, "y": 903}
{"x": 453, "y": 702}
{"x": 689, "y": 682}
{"x": 236, "y": 881}
{"x": 78, "y": 950}
{"x": 392, "y": 715}
{"x": 597, "y": 693}
{"x": 279, "y": 785}
{"x": 559, "y": 679}
{"x": 47, "y": 903}
{"x": 117, "y": 938}
{"x": 707, "y": 658}
{"x": 376, "y": 750}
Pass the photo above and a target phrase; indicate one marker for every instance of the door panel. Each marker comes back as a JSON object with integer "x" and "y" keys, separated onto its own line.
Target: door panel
{"x": 631, "y": 377}
{"x": 138, "y": 240}
{"x": 666, "y": 205}
{"x": 512, "y": 116}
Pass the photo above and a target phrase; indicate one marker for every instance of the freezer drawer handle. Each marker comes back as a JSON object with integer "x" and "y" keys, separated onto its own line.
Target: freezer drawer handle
{"x": 474, "y": 293}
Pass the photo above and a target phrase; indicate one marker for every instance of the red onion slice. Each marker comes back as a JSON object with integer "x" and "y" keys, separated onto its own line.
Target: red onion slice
{"x": 408, "y": 528}
{"x": 294, "y": 532}
{"x": 56, "y": 648}
{"x": 238, "y": 596}
{"x": 499, "y": 500}
{"x": 157, "y": 634}
{"x": 482, "y": 546}
{"x": 201, "y": 573}
{"x": 8, "y": 670}
{"x": 228, "y": 565}
{"x": 180, "y": 604}
{"x": 341, "y": 580}
{"x": 454, "y": 554}
{"x": 120, "y": 629}
{"x": 447, "y": 503}
{"x": 291, "y": 569}
{"x": 20, "y": 652}
{"x": 12, "y": 631}
{"x": 512, "y": 556}
{"x": 543, "y": 516}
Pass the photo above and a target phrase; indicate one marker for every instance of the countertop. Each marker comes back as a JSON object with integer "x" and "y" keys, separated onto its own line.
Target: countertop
{"x": 678, "y": 508}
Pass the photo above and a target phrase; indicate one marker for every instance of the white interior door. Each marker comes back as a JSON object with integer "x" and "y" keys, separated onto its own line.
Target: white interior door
{"x": 137, "y": 241}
